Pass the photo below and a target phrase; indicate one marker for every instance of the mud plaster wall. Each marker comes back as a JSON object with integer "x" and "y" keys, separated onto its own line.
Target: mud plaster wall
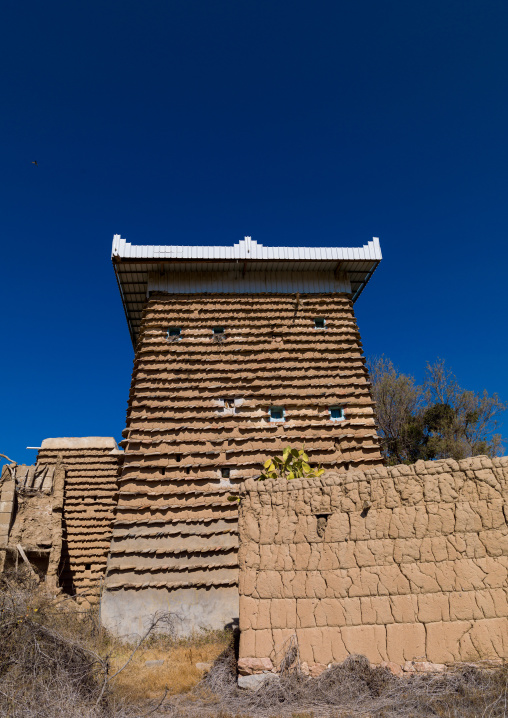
{"x": 31, "y": 500}
{"x": 175, "y": 533}
{"x": 399, "y": 563}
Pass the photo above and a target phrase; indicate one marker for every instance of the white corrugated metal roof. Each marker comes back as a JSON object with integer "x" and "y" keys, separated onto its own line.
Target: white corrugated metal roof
{"x": 238, "y": 269}
{"x": 247, "y": 248}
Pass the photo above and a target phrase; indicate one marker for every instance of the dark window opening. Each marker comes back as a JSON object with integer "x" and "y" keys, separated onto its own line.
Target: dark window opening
{"x": 366, "y": 507}
{"x": 178, "y": 457}
{"x": 225, "y": 473}
{"x": 218, "y": 334}
{"x": 187, "y": 469}
{"x": 320, "y": 323}
{"x": 87, "y": 566}
{"x": 276, "y": 413}
{"x": 322, "y": 520}
{"x": 337, "y": 413}
{"x": 174, "y": 333}
{"x": 163, "y": 471}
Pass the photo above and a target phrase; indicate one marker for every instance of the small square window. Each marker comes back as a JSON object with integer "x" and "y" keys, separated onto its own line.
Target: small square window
{"x": 228, "y": 406}
{"x": 87, "y": 567}
{"x": 319, "y": 323}
{"x": 225, "y": 473}
{"x": 174, "y": 333}
{"x": 277, "y": 413}
{"x": 337, "y": 413}
{"x": 218, "y": 334}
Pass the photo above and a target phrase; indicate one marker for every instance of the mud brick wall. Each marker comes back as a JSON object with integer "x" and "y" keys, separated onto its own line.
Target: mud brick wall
{"x": 90, "y": 493}
{"x": 401, "y": 563}
{"x": 175, "y": 537}
{"x": 31, "y": 499}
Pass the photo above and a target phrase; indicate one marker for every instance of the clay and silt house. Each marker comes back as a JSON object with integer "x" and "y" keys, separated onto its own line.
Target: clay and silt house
{"x": 57, "y": 515}
{"x": 239, "y": 352}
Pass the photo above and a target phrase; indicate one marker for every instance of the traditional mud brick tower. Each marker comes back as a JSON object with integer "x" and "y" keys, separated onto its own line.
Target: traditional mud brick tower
{"x": 239, "y": 352}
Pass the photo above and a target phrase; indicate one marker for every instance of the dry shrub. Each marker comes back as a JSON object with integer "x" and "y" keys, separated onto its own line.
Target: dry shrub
{"x": 47, "y": 665}
{"x": 353, "y": 689}
{"x": 56, "y": 660}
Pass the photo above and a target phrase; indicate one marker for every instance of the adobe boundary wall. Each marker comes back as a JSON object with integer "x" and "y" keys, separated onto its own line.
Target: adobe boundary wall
{"x": 399, "y": 564}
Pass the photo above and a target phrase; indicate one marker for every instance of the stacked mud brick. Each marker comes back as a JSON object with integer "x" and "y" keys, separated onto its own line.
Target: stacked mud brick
{"x": 89, "y": 498}
{"x": 408, "y": 563}
{"x": 217, "y": 349}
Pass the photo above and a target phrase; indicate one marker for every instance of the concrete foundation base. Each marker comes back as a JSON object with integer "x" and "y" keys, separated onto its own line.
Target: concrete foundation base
{"x": 126, "y": 612}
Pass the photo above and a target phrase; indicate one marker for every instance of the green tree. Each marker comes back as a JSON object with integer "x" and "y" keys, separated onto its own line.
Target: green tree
{"x": 399, "y": 404}
{"x": 437, "y": 419}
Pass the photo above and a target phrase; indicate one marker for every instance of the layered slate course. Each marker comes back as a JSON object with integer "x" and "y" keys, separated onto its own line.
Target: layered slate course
{"x": 220, "y": 382}
{"x": 91, "y": 467}
{"x": 401, "y": 564}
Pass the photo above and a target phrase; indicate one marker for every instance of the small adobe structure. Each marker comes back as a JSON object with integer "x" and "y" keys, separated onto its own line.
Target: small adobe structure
{"x": 56, "y": 516}
{"x": 239, "y": 352}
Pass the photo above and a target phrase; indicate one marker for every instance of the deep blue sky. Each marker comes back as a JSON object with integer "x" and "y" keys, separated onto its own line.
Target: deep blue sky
{"x": 197, "y": 122}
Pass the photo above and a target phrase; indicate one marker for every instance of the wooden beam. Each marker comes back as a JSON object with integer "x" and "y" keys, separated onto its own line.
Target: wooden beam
{"x": 25, "y": 559}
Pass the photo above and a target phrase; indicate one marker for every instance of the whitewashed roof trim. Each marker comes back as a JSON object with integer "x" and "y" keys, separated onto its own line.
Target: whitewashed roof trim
{"x": 246, "y": 267}
{"x": 247, "y": 248}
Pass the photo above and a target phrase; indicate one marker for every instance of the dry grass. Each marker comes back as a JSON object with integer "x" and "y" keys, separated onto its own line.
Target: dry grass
{"x": 178, "y": 674}
{"x": 56, "y": 662}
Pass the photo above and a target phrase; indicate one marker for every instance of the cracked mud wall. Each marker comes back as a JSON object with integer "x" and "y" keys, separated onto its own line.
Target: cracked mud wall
{"x": 400, "y": 563}
{"x": 199, "y": 405}
{"x": 31, "y": 499}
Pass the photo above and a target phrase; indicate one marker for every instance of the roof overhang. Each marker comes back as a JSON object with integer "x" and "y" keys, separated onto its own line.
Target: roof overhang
{"x": 245, "y": 267}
